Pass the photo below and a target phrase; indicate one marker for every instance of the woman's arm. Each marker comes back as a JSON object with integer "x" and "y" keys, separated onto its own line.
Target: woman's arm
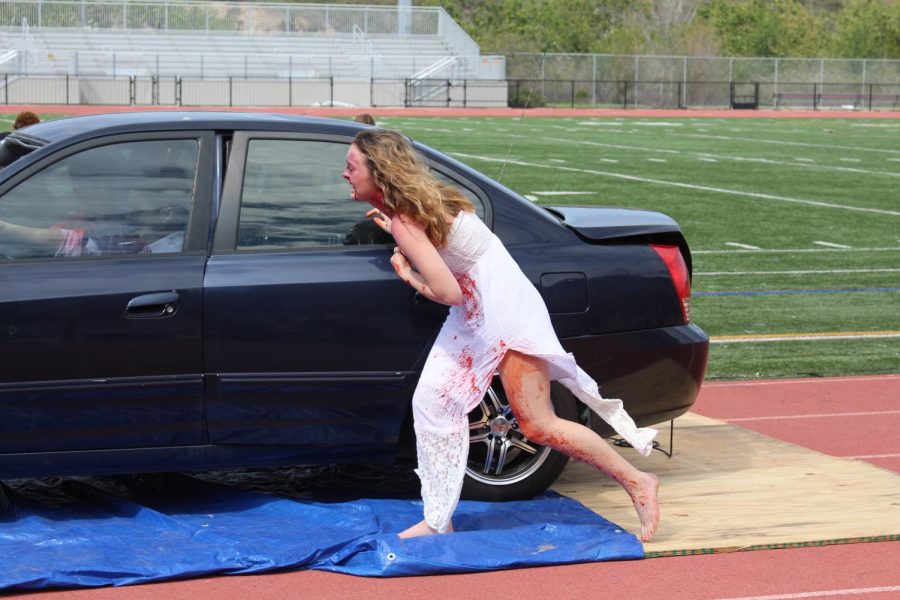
{"x": 31, "y": 236}
{"x": 418, "y": 263}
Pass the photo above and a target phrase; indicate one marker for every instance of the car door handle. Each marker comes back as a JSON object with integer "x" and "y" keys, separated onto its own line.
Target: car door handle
{"x": 148, "y": 306}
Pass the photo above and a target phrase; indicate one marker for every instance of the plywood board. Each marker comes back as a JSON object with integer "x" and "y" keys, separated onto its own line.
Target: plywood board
{"x": 727, "y": 488}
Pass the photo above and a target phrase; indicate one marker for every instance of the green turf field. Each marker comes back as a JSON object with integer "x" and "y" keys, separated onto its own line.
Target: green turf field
{"x": 794, "y": 224}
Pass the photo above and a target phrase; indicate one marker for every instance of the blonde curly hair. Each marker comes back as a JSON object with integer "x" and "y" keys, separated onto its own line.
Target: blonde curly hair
{"x": 408, "y": 186}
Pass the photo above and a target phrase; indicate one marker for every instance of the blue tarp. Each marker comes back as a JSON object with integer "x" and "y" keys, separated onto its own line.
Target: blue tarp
{"x": 76, "y": 533}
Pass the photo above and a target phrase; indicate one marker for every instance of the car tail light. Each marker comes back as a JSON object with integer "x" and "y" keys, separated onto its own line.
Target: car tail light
{"x": 671, "y": 255}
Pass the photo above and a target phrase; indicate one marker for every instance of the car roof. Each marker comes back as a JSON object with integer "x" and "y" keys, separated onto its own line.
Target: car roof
{"x": 105, "y": 124}
{"x": 72, "y": 130}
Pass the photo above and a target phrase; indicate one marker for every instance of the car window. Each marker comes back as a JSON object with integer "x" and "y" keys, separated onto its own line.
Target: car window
{"x": 473, "y": 198}
{"x": 127, "y": 198}
{"x": 295, "y": 196}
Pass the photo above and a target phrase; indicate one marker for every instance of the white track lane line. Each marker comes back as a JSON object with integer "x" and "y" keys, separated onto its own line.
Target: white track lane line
{"x": 870, "y": 456}
{"x": 821, "y": 594}
{"x": 767, "y": 382}
{"x": 812, "y": 416}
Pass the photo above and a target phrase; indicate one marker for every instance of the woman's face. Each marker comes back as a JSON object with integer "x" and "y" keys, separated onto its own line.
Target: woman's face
{"x": 357, "y": 174}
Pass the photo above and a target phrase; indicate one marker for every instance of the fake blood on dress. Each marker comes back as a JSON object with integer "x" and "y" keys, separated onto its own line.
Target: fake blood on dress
{"x": 471, "y": 306}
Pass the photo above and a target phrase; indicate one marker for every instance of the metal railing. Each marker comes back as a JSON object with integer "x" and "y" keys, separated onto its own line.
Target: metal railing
{"x": 361, "y": 65}
{"x": 251, "y": 91}
{"x": 238, "y": 17}
{"x": 476, "y": 93}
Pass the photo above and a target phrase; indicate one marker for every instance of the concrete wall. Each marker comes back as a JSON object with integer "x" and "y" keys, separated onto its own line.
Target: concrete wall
{"x": 187, "y": 91}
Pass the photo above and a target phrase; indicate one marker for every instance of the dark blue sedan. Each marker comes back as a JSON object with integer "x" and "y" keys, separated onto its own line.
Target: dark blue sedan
{"x": 186, "y": 291}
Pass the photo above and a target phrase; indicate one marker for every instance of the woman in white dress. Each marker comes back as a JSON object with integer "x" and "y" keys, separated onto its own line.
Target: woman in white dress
{"x": 449, "y": 256}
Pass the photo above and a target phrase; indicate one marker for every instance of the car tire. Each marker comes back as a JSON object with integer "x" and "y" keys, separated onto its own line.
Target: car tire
{"x": 503, "y": 464}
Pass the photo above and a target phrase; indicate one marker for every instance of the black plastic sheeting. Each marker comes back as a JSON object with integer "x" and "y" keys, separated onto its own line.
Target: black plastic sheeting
{"x": 87, "y": 532}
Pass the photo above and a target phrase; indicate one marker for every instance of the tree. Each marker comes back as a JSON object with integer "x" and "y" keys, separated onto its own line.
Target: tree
{"x": 535, "y": 25}
{"x": 667, "y": 27}
{"x": 868, "y": 29}
{"x": 767, "y": 27}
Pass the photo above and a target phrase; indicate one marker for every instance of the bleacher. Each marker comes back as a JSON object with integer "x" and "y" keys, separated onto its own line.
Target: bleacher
{"x": 74, "y": 52}
{"x": 350, "y": 47}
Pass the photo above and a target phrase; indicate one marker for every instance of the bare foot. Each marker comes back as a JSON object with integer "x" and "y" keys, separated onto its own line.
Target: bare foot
{"x": 643, "y": 495}
{"x": 421, "y": 528}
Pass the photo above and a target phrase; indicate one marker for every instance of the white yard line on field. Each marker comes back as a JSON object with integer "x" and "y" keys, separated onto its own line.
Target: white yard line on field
{"x": 810, "y": 165}
{"x": 795, "y": 250}
{"x": 563, "y": 193}
{"x": 707, "y": 155}
{"x": 745, "y": 246}
{"x": 617, "y": 146}
{"x": 832, "y": 245}
{"x": 789, "y": 143}
{"x": 679, "y": 184}
{"x": 798, "y": 272}
{"x": 802, "y": 337}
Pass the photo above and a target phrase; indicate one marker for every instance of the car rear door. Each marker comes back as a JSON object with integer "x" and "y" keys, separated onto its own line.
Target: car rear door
{"x": 100, "y": 346}
{"x": 311, "y": 340}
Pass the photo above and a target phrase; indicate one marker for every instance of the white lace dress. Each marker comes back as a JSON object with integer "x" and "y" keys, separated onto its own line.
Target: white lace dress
{"x": 501, "y": 311}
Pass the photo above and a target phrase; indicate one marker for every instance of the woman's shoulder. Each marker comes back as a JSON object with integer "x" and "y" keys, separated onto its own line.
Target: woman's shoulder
{"x": 404, "y": 227}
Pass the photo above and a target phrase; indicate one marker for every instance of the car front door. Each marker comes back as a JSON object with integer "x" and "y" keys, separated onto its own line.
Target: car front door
{"x": 311, "y": 339}
{"x": 102, "y": 254}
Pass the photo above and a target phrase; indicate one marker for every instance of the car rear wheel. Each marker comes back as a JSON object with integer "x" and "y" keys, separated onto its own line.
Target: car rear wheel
{"x": 504, "y": 464}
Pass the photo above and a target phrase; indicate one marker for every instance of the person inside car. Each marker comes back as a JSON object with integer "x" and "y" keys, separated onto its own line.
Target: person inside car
{"x": 97, "y": 227}
{"x": 497, "y": 321}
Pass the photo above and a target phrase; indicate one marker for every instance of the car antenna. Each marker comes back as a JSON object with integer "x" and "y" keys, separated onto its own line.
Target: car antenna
{"x": 521, "y": 118}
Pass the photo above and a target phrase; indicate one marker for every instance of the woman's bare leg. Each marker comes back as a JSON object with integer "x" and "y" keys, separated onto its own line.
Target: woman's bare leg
{"x": 526, "y": 380}
{"x": 421, "y": 528}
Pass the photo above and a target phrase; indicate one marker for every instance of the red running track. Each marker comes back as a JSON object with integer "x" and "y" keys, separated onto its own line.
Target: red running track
{"x": 847, "y": 417}
{"x": 854, "y": 417}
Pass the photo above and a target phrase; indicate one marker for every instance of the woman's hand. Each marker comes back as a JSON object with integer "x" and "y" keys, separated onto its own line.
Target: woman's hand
{"x": 382, "y": 220}
{"x": 418, "y": 263}
{"x": 401, "y": 265}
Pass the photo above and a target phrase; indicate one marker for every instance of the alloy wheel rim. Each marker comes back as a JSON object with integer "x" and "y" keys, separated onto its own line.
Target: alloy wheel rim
{"x": 499, "y": 453}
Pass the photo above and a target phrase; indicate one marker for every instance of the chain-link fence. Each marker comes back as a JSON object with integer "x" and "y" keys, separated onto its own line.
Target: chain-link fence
{"x": 692, "y": 82}
{"x": 703, "y": 69}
